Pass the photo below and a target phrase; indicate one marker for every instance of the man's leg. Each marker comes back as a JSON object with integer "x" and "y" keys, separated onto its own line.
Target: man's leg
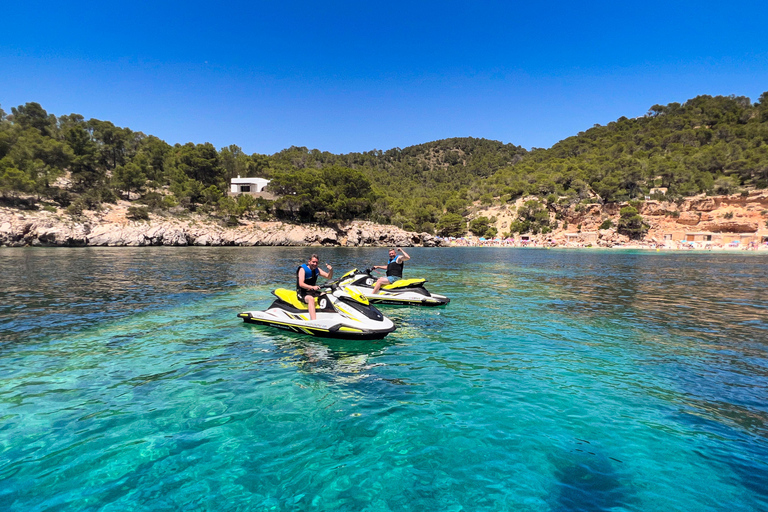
{"x": 382, "y": 281}
{"x": 310, "y": 300}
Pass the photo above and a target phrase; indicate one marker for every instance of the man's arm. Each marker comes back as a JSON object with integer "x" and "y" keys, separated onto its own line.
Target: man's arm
{"x": 327, "y": 275}
{"x": 404, "y": 256}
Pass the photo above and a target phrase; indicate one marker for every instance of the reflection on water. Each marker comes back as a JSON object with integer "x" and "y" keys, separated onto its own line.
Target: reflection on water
{"x": 555, "y": 380}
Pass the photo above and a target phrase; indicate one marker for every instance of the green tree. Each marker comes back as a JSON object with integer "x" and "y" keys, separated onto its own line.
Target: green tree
{"x": 200, "y": 162}
{"x": 726, "y": 185}
{"x": 481, "y": 226}
{"x": 234, "y": 162}
{"x": 211, "y": 194}
{"x": 85, "y": 171}
{"x": 32, "y": 115}
{"x": 532, "y": 217}
{"x": 129, "y": 178}
{"x": 14, "y": 181}
{"x": 451, "y": 224}
{"x": 631, "y": 222}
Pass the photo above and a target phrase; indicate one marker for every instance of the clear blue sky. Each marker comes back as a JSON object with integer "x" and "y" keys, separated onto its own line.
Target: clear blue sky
{"x": 355, "y": 76}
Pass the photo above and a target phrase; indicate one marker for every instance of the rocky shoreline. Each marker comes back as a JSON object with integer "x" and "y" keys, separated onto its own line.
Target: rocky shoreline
{"x": 697, "y": 222}
{"x": 111, "y": 227}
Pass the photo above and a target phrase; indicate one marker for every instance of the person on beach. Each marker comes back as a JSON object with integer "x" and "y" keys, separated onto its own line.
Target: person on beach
{"x": 306, "y": 282}
{"x": 394, "y": 268}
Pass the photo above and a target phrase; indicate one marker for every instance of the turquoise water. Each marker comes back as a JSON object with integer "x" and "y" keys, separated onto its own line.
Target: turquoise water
{"x": 554, "y": 381}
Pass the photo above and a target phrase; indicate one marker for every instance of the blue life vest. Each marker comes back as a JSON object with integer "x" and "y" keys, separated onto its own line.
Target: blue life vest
{"x": 310, "y": 276}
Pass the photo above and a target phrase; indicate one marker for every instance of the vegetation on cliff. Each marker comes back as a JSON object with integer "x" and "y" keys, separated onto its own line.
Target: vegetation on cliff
{"x": 708, "y": 144}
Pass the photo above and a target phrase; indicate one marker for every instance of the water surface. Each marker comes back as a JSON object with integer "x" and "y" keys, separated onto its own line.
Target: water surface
{"x": 554, "y": 381}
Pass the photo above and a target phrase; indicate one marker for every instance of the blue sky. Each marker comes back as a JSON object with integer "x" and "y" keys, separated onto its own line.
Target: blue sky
{"x": 346, "y": 76}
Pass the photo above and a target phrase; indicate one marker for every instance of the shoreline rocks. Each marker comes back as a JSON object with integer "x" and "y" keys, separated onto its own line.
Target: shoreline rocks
{"x": 726, "y": 218}
{"x": 20, "y": 228}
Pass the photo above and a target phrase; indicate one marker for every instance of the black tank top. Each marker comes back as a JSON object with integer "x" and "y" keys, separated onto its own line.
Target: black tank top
{"x": 394, "y": 268}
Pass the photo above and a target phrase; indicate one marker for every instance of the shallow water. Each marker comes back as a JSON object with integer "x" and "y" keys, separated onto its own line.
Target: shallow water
{"x": 554, "y": 381}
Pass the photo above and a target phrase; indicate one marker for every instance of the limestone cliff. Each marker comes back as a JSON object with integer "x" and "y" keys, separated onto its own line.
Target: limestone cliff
{"x": 721, "y": 218}
{"x": 111, "y": 227}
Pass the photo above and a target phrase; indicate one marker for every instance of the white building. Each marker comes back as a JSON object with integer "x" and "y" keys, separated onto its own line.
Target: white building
{"x": 247, "y": 185}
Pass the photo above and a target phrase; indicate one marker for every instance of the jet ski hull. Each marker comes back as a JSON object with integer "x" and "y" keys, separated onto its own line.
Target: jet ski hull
{"x": 406, "y": 299}
{"x": 412, "y": 294}
{"x": 319, "y": 329}
{"x": 338, "y": 315}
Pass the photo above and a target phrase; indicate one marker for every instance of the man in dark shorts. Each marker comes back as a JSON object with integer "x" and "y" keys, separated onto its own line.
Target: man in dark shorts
{"x": 394, "y": 269}
{"x": 306, "y": 282}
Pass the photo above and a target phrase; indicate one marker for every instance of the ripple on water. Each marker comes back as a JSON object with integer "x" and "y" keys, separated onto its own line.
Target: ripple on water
{"x": 555, "y": 380}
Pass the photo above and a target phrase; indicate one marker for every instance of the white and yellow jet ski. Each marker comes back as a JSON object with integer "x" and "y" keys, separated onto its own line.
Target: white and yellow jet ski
{"x": 341, "y": 313}
{"x": 405, "y": 292}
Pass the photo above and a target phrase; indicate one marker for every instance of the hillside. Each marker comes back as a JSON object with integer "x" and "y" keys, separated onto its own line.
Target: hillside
{"x": 416, "y": 185}
{"x": 707, "y": 145}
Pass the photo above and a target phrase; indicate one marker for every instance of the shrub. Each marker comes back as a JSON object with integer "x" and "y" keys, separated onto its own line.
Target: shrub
{"x": 631, "y": 223}
{"x": 607, "y": 224}
{"x": 77, "y": 206}
{"x": 137, "y": 213}
{"x": 152, "y": 199}
{"x": 169, "y": 202}
{"x": 60, "y": 196}
{"x": 107, "y": 195}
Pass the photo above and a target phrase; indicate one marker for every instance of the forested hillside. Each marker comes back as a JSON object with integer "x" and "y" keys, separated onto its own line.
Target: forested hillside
{"x": 414, "y": 187}
{"x": 708, "y": 144}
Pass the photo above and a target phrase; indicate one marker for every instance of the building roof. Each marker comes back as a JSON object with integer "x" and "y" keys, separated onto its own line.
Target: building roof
{"x": 246, "y": 181}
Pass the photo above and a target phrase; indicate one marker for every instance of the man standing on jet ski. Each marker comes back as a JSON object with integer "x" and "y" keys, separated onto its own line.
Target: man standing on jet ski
{"x": 394, "y": 268}
{"x": 306, "y": 279}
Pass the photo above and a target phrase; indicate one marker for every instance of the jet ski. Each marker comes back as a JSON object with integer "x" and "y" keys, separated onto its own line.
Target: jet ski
{"x": 340, "y": 313}
{"x": 405, "y": 292}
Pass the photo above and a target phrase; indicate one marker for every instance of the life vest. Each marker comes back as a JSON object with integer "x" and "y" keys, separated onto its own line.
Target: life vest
{"x": 310, "y": 276}
{"x": 394, "y": 268}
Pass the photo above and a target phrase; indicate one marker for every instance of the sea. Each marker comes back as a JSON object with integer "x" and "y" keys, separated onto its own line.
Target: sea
{"x": 555, "y": 380}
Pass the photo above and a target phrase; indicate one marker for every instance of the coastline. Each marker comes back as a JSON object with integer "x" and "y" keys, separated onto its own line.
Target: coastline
{"x": 704, "y": 224}
{"x": 670, "y": 246}
{"x": 111, "y": 228}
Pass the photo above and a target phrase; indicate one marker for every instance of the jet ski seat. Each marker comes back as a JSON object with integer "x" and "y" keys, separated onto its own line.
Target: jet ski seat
{"x": 292, "y": 298}
{"x": 404, "y": 283}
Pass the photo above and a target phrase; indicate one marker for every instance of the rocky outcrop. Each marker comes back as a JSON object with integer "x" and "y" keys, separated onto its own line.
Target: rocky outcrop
{"x": 579, "y": 224}
{"x": 729, "y": 227}
{"x": 44, "y": 228}
{"x": 688, "y": 218}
